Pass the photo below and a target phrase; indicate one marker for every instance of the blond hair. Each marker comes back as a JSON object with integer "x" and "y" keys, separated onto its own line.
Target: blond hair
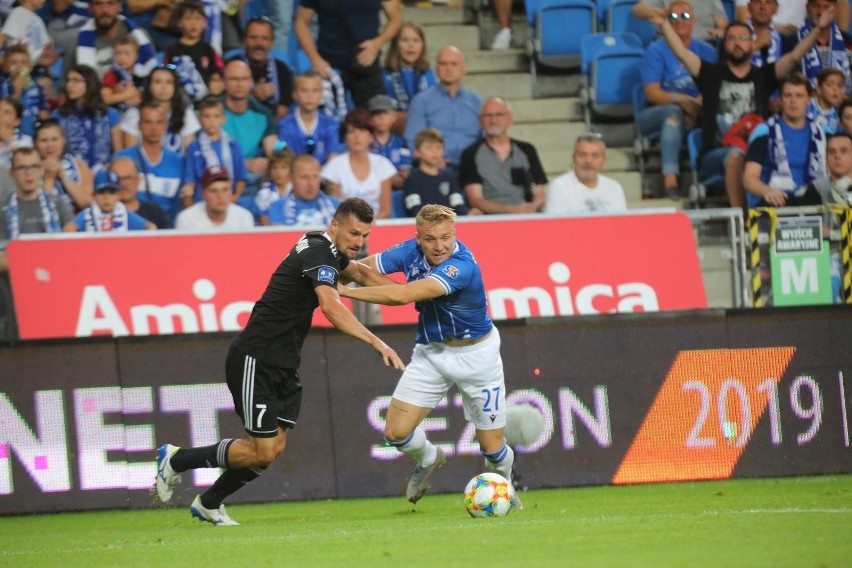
{"x": 433, "y": 213}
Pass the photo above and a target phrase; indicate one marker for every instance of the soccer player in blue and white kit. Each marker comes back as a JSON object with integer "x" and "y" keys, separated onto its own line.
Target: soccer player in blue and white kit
{"x": 457, "y": 344}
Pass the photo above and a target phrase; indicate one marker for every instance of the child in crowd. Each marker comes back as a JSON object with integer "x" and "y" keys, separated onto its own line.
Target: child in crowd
{"x": 64, "y": 174}
{"x": 428, "y": 183}
{"x": 90, "y": 126}
{"x": 305, "y": 204}
{"x": 164, "y": 87}
{"x": 306, "y": 130}
{"x": 212, "y": 147}
{"x": 828, "y": 96}
{"x": 406, "y": 71}
{"x": 386, "y": 143}
{"x": 11, "y": 137}
{"x": 24, "y": 26}
{"x": 120, "y": 88}
{"x": 277, "y": 186}
{"x": 200, "y": 67}
{"x": 17, "y": 82}
{"x": 106, "y": 212}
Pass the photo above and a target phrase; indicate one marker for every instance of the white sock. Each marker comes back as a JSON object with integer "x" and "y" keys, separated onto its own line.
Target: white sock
{"x": 419, "y": 448}
{"x": 501, "y": 461}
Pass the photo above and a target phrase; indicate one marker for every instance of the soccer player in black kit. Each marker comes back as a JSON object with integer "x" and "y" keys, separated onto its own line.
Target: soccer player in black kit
{"x": 262, "y": 363}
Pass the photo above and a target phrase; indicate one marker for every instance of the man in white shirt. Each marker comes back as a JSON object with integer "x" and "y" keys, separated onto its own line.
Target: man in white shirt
{"x": 583, "y": 189}
{"x": 216, "y": 211}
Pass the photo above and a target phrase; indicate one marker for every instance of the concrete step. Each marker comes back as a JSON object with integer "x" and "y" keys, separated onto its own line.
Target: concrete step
{"x": 563, "y": 109}
{"x": 617, "y": 159}
{"x": 562, "y": 134}
{"x": 504, "y": 61}
{"x": 462, "y": 36}
{"x": 428, "y": 14}
{"x": 508, "y": 85}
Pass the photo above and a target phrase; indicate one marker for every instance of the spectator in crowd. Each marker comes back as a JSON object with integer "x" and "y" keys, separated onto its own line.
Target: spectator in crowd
{"x": 385, "y": 142}
{"x": 250, "y": 123}
{"x": 129, "y": 179}
{"x": 349, "y": 41}
{"x": 787, "y": 152}
{"x": 11, "y": 136}
{"x": 836, "y": 185}
{"x": 503, "y": 11}
{"x": 498, "y": 173}
{"x": 273, "y": 81}
{"x": 790, "y": 14}
{"x": 406, "y": 71}
{"x": 584, "y": 189}
{"x": 162, "y": 169}
{"x": 94, "y": 44}
{"x": 359, "y": 172}
{"x": 674, "y": 100}
{"x": 217, "y": 211}
{"x": 833, "y": 46}
{"x": 120, "y": 89}
{"x": 827, "y": 98}
{"x": 212, "y": 147}
{"x": 64, "y": 173}
{"x": 277, "y": 186}
{"x": 709, "y": 16}
{"x": 428, "y": 182}
{"x": 91, "y": 127}
{"x": 67, "y": 17}
{"x": 30, "y": 209}
{"x": 844, "y": 113}
{"x": 730, "y": 89}
{"x": 25, "y": 27}
{"x": 769, "y": 43}
{"x": 156, "y": 17}
{"x": 199, "y": 65}
{"x": 106, "y": 212}
{"x": 306, "y": 130}
{"x": 164, "y": 88}
{"x": 447, "y": 106}
{"x": 305, "y": 205}
{"x": 17, "y": 82}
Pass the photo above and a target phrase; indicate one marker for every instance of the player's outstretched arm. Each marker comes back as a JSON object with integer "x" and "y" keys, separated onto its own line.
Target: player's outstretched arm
{"x": 364, "y": 275}
{"x": 397, "y": 294}
{"x": 341, "y": 318}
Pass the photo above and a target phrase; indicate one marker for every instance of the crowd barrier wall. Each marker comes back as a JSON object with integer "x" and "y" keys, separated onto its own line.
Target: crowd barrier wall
{"x": 637, "y": 398}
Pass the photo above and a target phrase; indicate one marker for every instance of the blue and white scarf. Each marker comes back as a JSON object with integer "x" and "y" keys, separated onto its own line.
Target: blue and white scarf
{"x": 68, "y": 164}
{"x": 87, "y": 52}
{"x": 211, "y": 158}
{"x": 213, "y": 32}
{"x": 88, "y": 137}
{"x": 190, "y": 77}
{"x": 49, "y": 215}
{"x": 773, "y": 53}
{"x": 837, "y": 57}
{"x": 271, "y": 76}
{"x": 78, "y": 14}
{"x": 780, "y": 175}
{"x": 267, "y": 195}
{"x": 828, "y": 120}
{"x": 406, "y": 83}
{"x": 334, "y": 96}
{"x": 123, "y": 76}
{"x": 300, "y": 212}
{"x": 97, "y": 221}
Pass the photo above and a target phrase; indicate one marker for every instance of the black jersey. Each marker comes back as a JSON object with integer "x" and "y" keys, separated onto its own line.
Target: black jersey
{"x": 281, "y": 319}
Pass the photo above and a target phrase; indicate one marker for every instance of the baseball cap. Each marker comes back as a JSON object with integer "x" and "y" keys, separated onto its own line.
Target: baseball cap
{"x": 381, "y": 102}
{"x": 106, "y": 180}
{"x": 214, "y": 173}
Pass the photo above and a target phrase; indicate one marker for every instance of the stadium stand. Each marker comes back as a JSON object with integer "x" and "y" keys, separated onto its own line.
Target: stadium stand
{"x": 610, "y": 64}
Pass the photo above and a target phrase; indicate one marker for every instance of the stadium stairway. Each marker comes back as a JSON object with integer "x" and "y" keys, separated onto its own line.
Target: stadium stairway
{"x": 552, "y": 120}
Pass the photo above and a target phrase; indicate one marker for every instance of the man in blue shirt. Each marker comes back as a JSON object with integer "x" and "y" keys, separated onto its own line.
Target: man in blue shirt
{"x": 457, "y": 344}
{"x": 447, "y": 106}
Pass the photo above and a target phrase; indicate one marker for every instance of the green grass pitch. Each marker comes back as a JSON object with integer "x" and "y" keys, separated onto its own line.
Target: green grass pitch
{"x": 797, "y": 522}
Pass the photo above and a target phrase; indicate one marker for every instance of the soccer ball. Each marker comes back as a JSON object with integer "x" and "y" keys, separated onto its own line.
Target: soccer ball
{"x": 489, "y": 495}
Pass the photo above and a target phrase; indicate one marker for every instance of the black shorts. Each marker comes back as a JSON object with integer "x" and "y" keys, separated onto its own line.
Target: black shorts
{"x": 265, "y": 396}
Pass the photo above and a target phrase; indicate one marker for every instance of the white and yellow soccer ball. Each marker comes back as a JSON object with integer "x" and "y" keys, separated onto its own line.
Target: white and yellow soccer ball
{"x": 489, "y": 495}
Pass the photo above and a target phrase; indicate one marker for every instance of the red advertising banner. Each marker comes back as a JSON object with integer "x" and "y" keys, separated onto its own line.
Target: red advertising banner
{"x": 169, "y": 282}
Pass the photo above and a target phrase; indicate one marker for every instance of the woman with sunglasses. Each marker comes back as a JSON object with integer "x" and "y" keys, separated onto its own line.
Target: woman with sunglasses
{"x": 90, "y": 126}
{"x": 673, "y": 98}
{"x": 164, "y": 87}
{"x": 63, "y": 172}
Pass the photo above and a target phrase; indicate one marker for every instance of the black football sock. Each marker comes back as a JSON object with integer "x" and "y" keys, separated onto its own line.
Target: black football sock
{"x": 206, "y": 456}
{"x": 231, "y": 481}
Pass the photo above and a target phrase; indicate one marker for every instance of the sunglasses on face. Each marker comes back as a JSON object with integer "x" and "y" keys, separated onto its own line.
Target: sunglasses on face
{"x": 682, "y": 17}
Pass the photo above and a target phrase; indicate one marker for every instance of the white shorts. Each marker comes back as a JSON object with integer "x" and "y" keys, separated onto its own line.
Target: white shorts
{"x": 477, "y": 371}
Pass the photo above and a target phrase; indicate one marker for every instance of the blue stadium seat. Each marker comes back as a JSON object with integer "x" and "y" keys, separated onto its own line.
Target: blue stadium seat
{"x": 701, "y": 189}
{"x": 602, "y": 7}
{"x": 557, "y": 28}
{"x": 621, "y": 20}
{"x": 398, "y": 204}
{"x": 610, "y": 64}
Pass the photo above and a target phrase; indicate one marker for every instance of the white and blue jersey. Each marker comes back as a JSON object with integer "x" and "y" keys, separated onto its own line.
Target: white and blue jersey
{"x": 463, "y": 312}
{"x": 161, "y": 181}
{"x": 396, "y": 150}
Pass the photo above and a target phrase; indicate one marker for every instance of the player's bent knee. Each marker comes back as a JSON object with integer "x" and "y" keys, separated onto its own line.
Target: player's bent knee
{"x": 395, "y": 435}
